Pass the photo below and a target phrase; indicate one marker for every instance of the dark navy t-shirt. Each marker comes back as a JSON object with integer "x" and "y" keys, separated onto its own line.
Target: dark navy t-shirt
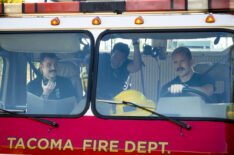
{"x": 63, "y": 88}
{"x": 110, "y": 81}
{"x": 197, "y": 80}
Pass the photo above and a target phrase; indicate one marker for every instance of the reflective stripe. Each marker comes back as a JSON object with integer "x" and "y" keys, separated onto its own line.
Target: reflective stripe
{"x": 13, "y": 8}
{"x": 118, "y": 6}
{"x": 220, "y": 4}
{"x": 60, "y": 7}
{"x": 155, "y": 5}
{"x": 197, "y": 4}
{"x": 180, "y": 4}
{"x": 148, "y": 5}
{"x": 68, "y": 7}
{"x": 29, "y": 7}
{"x": 1, "y": 8}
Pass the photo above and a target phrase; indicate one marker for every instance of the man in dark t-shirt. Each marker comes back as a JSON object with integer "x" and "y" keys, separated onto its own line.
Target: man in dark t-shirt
{"x": 114, "y": 69}
{"x": 50, "y": 86}
{"x": 182, "y": 59}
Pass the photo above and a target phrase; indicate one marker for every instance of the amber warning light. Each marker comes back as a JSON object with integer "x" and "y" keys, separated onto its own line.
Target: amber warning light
{"x": 210, "y": 18}
{"x": 96, "y": 21}
{"x": 55, "y": 21}
{"x": 139, "y": 20}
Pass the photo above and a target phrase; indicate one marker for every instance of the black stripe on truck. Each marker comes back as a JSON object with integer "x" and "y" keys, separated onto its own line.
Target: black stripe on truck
{"x": 36, "y": 8}
{"x": 23, "y": 8}
{"x": 172, "y": 6}
{"x": 209, "y": 5}
{"x": 186, "y": 5}
{"x": 113, "y": 6}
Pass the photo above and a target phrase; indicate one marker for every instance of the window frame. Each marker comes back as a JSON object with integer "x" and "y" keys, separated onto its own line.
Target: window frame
{"x": 96, "y": 61}
{"x": 88, "y": 96}
{"x": 3, "y": 75}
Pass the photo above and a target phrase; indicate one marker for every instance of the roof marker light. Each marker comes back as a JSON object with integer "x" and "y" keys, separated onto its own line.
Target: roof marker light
{"x": 210, "y": 18}
{"x": 139, "y": 20}
{"x": 55, "y": 21}
{"x": 96, "y": 21}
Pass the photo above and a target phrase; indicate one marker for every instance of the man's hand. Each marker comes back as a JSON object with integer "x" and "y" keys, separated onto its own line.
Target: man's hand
{"x": 47, "y": 89}
{"x": 176, "y": 88}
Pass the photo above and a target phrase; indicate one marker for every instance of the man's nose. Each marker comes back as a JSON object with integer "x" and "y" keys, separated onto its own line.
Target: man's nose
{"x": 179, "y": 64}
{"x": 53, "y": 67}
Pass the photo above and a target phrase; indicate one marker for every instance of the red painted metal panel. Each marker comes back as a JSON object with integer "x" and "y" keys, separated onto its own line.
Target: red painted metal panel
{"x": 60, "y": 7}
{"x": 205, "y": 137}
{"x": 179, "y": 4}
{"x": 148, "y": 5}
{"x": 220, "y": 4}
{"x": 29, "y": 8}
{"x": 1, "y": 8}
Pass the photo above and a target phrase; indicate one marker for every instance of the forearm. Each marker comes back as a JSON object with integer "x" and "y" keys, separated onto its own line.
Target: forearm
{"x": 136, "y": 64}
{"x": 137, "y": 56}
{"x": 208, "y": 89}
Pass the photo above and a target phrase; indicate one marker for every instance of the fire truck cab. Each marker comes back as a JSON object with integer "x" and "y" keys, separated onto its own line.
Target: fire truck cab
{"x": 65, "y": 90}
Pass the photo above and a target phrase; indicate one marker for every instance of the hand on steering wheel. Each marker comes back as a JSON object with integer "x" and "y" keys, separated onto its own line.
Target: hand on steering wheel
{"x": 176, "y": 88}
{"x": 181, "y": 89}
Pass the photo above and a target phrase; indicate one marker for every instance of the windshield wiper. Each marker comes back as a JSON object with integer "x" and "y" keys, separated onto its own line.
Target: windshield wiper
{"x": 181, "y": 124}
{"x": 51, "y": 123}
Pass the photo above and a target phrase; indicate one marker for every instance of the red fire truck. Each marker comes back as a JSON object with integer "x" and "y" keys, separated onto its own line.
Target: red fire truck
{"x": 100, "y": 77}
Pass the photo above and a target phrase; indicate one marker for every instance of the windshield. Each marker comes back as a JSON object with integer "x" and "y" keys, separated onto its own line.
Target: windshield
{"x": 44, "y": 73}
{"x": 178, "y": 74}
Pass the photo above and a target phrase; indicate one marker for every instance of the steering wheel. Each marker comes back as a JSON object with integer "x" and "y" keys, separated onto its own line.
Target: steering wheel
{"x": 205, "y": 97}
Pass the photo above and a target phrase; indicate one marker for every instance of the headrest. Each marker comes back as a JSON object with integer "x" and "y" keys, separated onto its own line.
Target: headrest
{"x": 202, "y": 67}
{"x": 67, "y": 69}
{"x": 215, "y": 70}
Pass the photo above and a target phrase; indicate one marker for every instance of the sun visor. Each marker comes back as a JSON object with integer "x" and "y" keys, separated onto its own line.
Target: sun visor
{"x": 41, "y": 42}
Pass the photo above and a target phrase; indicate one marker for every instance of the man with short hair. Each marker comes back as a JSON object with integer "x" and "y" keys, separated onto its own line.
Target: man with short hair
{"x": 114, "y": 69}
{"x": 50, "y": 86}
{"x": 183, "y": 63}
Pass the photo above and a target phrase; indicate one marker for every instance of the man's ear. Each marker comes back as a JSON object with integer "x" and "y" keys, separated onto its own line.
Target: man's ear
{"x": 41, "y": 66}
{"x": 191, "y": 62}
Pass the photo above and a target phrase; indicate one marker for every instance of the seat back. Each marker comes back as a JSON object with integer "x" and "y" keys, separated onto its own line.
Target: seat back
{"x": 71, "y": 71}
{"x": 221, "y": 74}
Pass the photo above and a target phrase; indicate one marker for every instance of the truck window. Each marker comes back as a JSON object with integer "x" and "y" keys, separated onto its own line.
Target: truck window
{"x": 2, "y": 77}
{"x": 170, "y": 81}
{"x": 45, "y": 72}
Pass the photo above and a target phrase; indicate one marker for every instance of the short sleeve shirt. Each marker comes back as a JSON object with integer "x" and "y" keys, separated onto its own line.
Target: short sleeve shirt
{"x": 63, "y": 88}
{"x": 111, "y": 81}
